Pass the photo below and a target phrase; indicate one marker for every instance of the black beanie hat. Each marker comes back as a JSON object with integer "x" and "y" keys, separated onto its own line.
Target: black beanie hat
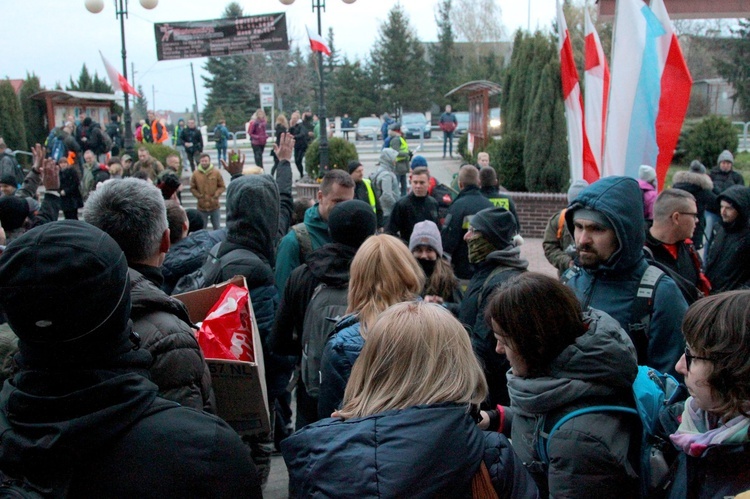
{"x": 65, "y": 290}
{"x": 351, "y": 222}
{"x": 497, "y": 225}
{"x": 13, "y": 212}
{"x": 353, "y": 165}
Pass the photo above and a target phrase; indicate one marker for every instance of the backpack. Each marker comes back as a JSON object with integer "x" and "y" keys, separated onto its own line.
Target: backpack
{"x": 14, "y": 169}
{"x": 303, "y": 241}
{"x": 210, "y": 272}
{"x": 326, "y": 307}
{"x": 653, "y": 392}
{"x": 57, "y": 149}
{"x": 641, "y": 309}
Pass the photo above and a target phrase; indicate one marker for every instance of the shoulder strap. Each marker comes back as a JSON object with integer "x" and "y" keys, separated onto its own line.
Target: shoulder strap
{"x": 487, "y": 287}
{"x": 303, "y": 240}
{"x": 642, "y": 309}
{"x": 544, "y": 439}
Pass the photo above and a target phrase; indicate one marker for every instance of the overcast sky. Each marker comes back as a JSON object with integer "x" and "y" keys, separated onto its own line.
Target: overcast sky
{"x": 53, "y": 38}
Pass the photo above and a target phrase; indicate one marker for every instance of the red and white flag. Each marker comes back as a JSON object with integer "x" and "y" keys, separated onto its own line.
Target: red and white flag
{"x": 582, "y": 162}
{"x": 118, "y": 81}
{"x": 596, "y": 80}
{"x": 317, "y": 44}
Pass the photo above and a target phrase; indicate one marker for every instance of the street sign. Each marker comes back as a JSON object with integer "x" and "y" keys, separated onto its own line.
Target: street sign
{"x": 266, "y": 95}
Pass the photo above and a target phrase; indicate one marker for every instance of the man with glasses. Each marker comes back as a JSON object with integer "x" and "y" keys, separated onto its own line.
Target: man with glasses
{"x": 613, "y": 275}
{"x": 669, "y": 244}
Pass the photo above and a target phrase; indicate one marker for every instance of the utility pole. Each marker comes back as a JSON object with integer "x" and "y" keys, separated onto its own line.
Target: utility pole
{"x": 195, "y": 96}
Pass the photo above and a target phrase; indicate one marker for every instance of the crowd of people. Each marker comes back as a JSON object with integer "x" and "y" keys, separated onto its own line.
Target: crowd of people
{"x": 426, "y": 358}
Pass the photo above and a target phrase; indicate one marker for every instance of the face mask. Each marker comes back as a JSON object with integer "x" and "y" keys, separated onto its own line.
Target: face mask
{"x": 428, "y": 266}
{"x": 479, "y": 248}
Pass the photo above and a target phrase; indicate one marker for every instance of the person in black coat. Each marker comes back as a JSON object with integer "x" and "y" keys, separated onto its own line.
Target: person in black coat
{"x": 697, "y": 182}
{"x": 468, "y": 202}
{"x": 81, "y": 418}
{"x": 70, "y": 190}
{"x": 406, "y": 427}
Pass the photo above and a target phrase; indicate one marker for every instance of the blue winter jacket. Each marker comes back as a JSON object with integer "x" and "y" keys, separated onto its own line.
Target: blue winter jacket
{"x": 422, "y": 451}
{"x": 339, "y": 355}
{"x": 612, "y": 286}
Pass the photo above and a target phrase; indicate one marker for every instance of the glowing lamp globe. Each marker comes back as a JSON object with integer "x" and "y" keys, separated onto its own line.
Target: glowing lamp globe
{"x": 287, "y": 2}
{"x": 149, "y": 4}
{"x": 94, "y": 6}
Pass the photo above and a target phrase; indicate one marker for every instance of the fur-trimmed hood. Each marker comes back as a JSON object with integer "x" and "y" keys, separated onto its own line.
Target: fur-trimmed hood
{"x": 702, "y": 180}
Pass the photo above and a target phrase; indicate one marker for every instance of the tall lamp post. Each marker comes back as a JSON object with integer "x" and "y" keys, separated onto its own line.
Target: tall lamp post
{"x": 317, "y": 5}
{"x": 121, "y": 12}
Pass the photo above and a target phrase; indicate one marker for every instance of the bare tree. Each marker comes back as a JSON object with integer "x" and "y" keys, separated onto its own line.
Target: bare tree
{"x": 477, "y": 21}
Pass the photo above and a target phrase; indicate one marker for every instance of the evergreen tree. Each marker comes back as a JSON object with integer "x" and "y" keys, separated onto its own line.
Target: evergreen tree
{"x": 140, "y": 107}
{"x": 734, "y": 65}
{"x": 33, "y": 111}
{"x": 84, "y": 84}
{"x": 444, "y": 65}
{"x": 398, "y": 65}
{"x": 12, "y": 125}
{"x": 545, "y": 154}
{"x": 351, "y": 91}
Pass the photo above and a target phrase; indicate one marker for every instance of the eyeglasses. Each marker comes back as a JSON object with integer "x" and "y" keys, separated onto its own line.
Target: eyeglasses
{"x": 694, "y": 215}
{"x": 689, "y": 357}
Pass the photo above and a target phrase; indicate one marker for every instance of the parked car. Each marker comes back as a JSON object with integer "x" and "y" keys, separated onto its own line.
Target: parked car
{"x": 495, "y": 121}
{"x": 462, "y": 117}
{"x": 413, "y": 123}
{"x": 367, "y": 128}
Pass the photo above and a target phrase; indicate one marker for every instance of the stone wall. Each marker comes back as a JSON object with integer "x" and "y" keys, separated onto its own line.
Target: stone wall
{"x": 535, "y": 209}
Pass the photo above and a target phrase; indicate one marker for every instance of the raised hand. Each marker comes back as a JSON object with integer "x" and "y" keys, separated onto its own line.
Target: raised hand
{"x": 236, "y": 162}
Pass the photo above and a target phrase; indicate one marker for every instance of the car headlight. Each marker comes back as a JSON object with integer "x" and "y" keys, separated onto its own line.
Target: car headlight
{"x": 494, "y": 123}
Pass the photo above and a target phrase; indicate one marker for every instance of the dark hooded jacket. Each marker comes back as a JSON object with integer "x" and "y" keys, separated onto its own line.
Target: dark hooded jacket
{"x": 701, "y": 187}
{"x": 106, "y": 433}
{"x": 423, "y": 451}
{"x": 588, "y": 455}
{"x": 727, "y": 264}
{"x": 612, "y": 286}
{"x": 187, "y": 255}
{"x": 179, "y": 369}
{"x": 469, "y": 202}
{"x": 506, "y": 264}
{"x": 329, "y": 264}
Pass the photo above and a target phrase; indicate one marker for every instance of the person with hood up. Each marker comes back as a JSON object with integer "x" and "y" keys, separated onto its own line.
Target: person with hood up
{"x": 493, "y": 243}
{"x": 723, "y": 176}
{"x": 385, "y": 182}
{"x": 727, "y": 264}
{"x": 349, "y": 224}
{"x": 406, "y": 428}
{"x": 697, "y": 182}
{"x": 81, "y": 418}
{"x": 562, "y": 358}
{"x": 606, "y": 220}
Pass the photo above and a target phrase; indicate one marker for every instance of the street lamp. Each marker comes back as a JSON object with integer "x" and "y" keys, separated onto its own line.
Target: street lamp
{"x": 318, "y": 5}
{"x": 121, "y": 12}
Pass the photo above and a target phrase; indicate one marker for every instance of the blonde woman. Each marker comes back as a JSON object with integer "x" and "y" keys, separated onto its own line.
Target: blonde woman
{"x": 406, "y": 428}
{"x": 258, "y": 135}
{"x": 383, "y": 273}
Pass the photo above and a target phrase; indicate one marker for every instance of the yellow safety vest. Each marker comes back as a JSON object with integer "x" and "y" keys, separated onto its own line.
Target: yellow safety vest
{"x": 370, "y": 193}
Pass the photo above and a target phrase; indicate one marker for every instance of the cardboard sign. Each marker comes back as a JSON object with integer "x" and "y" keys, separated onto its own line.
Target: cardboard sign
{"x": 239, "y": 387}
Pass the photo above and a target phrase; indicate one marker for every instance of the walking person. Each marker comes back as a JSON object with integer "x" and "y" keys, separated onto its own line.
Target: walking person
{"x": 221, "y": 137}
{"x": 282, "y": 126}
{"x": 207, "y": 185}
{"x": 448, "y": 124}
{"x": 192, "y": 139}
{"x": 258, "y": 135}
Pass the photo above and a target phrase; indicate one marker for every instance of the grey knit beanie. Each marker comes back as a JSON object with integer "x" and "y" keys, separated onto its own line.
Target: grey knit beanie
{"x": 426, "y": 233}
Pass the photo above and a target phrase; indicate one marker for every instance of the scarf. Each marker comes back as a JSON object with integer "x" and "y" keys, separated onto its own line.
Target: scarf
{"x": 700, "y": 430}
{"x": 479, "y": 248}
{"x": 428, "y": 266}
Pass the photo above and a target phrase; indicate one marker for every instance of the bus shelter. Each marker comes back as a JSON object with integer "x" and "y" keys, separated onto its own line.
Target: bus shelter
{"x": 478, "y": 92}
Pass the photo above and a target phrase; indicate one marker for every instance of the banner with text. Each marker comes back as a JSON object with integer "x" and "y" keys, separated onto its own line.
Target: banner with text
{"x": 221, "y": 37}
